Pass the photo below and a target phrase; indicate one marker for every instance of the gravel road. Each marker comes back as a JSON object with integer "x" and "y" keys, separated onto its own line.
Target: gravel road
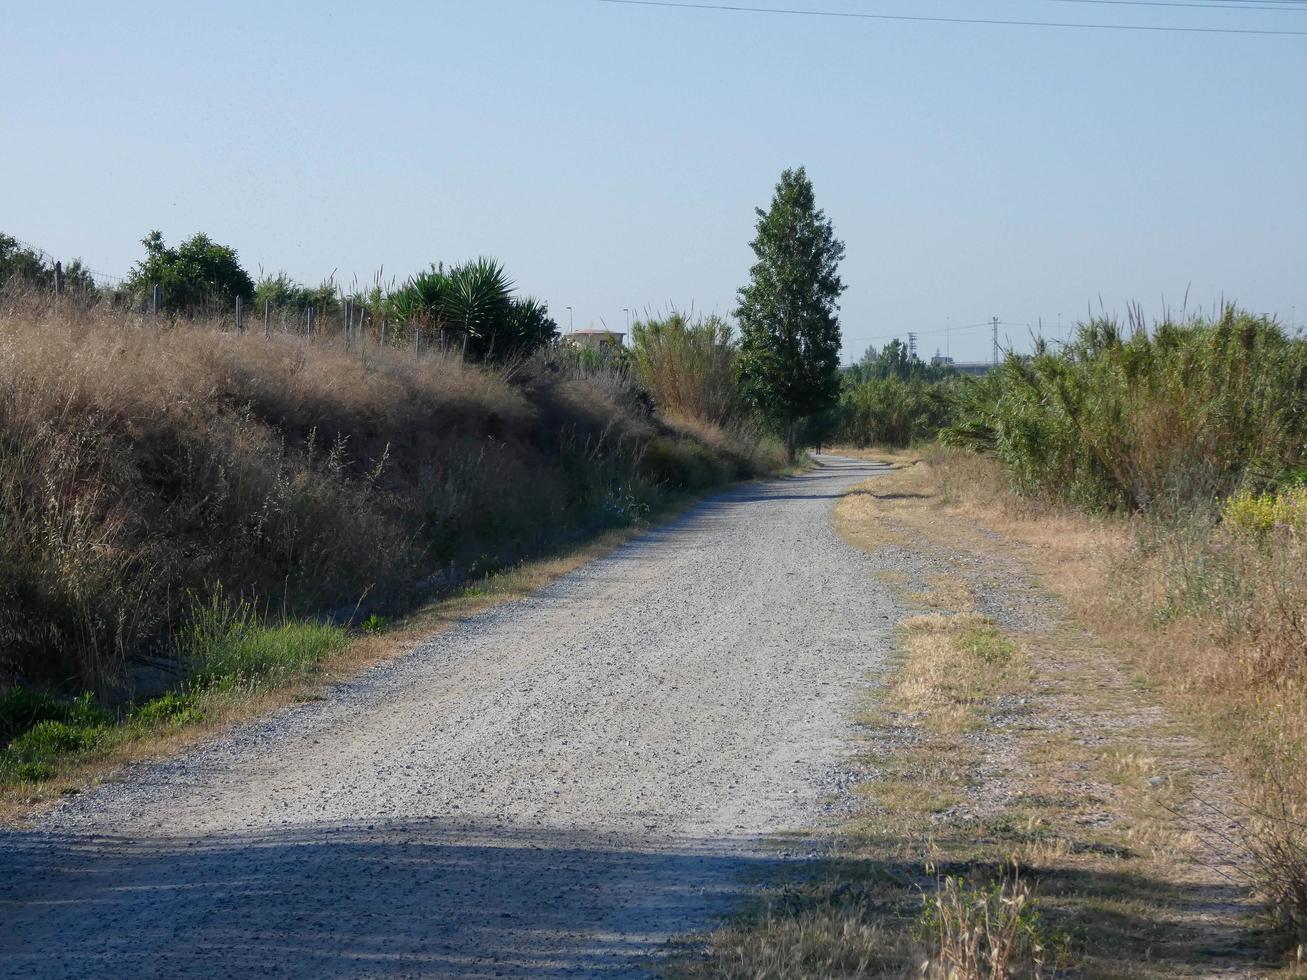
{"x": 555, "y": 787}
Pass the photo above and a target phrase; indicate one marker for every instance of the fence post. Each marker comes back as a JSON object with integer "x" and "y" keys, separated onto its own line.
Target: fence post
{"x": 267, "y": 318}
{"x": 156, "y": 300}
{"x": 58, "y": 279}
{"x": 349, "y": 322}
{"x": 383, "y": 331}
{"x": 309, "y": 325}
{"x": 240, "y": 320}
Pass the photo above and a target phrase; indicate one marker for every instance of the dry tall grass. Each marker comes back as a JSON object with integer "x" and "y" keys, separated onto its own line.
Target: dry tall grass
{"x": 143, "y": 462}
{"x": 1212, "y": 607}
{"x": 688, "y": 366}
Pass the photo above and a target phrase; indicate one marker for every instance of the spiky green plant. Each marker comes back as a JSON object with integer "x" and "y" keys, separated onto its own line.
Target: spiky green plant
{"x": 479, "y": 305}
{"x": 472, "y": 306}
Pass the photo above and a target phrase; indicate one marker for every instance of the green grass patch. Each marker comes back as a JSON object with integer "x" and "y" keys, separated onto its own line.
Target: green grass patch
{"x": 987, "y": 643}
{"x": 227, "y": 648}
{"x": 229, "y": 645}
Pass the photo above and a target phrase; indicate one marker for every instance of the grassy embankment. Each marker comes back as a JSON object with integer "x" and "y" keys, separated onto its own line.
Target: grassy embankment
{"x": 233, "y": 516}
{"x": 1089, "y": 755}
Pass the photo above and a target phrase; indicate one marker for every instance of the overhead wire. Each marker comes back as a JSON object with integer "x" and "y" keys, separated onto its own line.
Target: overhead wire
{"x": 930, "y": 19}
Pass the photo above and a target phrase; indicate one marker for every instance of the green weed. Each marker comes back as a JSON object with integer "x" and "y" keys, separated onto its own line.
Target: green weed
{"x": 229, "y": 645}
{"x": 988, "y": 644}
{"x": 374, "y": 624}
{"x": 174, "y": 709}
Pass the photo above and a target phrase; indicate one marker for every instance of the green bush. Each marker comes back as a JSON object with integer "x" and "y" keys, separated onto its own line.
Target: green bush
{"x": 471, "y": 307}
{"x": 173, "y": 708}
{"x": 21, "y": 266}
{"x": 49, "y": 739}
{"x": 1154, "y": 420}
{"x": 197, "y": 272}
{"x": 892, "y": 412}
{"x": 31, "y": 756}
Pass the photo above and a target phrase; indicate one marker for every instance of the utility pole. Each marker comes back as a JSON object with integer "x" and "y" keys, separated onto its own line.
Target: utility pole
{"x": 948, "y": 336}
{"x": 996, "y": 350}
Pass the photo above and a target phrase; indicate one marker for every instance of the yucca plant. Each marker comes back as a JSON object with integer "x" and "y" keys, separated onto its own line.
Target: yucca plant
{"x": 530, "y": 325}
{"x": 421, "y": 301}
{"x": 479, "y": 306}
{"x": 473, "y": 304}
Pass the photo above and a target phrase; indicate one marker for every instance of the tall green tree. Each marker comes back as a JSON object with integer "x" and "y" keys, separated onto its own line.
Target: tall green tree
{"x": 788, "y": 312}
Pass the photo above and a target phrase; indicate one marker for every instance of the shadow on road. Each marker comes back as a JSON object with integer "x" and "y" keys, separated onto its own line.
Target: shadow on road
{"x": 430, "y": 898}
{"x": 379, "y": 899}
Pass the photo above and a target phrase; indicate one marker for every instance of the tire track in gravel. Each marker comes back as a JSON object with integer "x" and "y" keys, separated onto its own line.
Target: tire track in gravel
{"x": 554, "y": 787}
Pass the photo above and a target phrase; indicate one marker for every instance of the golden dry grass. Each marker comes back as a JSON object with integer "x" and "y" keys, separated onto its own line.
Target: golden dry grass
{"x": 1211, "y": 621}
{"x": 142, "y": 461}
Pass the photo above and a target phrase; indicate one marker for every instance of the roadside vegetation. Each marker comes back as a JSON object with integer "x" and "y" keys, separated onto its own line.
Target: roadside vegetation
{"x": 191, "y": 514}
{"x": 1194, "y": 436}
{"x": 889, "y": 398}
{"x": 1120, "y": 756}
{"x": 210, "y": 484}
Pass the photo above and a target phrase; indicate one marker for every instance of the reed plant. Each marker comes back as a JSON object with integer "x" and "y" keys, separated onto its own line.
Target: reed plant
{"x": 1146, "y": 420}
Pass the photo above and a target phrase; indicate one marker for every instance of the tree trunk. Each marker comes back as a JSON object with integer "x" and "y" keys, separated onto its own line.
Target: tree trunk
{"x": 792, "y": 440}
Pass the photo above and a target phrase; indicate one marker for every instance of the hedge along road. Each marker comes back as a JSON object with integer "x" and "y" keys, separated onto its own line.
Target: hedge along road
{"x": 554, "y": 787}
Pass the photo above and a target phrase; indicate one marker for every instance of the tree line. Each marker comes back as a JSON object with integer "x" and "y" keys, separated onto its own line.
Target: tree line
{"x": 784, "y": 368}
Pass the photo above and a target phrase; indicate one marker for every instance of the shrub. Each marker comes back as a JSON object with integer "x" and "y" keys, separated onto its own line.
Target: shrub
{"x": 21, "y": 266}
{"x": 1156, "y": 420}
{"x": 1261, "y": 513}
{"x": 22, "y": 709}
{"x": 48, "y": 739}
{"x": 893, "y": 412}
{"x": 197, "y": 272}
{"x": 173, "y": 708}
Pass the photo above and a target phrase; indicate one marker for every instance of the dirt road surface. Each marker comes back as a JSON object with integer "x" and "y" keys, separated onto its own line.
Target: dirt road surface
{"x": 553, "y": 788}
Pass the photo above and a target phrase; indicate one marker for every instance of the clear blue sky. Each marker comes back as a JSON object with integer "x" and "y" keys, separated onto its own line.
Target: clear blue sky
{"x": 612, "y": 155}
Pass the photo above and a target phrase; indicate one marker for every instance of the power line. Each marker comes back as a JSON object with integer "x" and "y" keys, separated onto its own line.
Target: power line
{"x": 1296, "y": 8}
{"x": 916, "y": 18}
{"x": 987, "y": 324}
